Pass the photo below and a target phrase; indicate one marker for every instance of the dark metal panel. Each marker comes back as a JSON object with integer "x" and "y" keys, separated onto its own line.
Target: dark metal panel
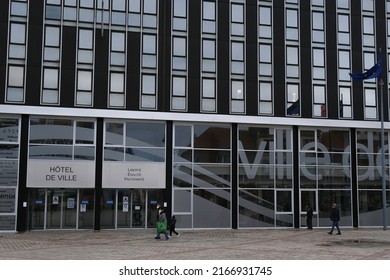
{"x": 234, "y": 182}
{"x": 356, "y": 31}
{"x": 306, "y": 98}
{"x": 279, "y": 59}
{"x": 381, "y": 42}
{"x": 251, "y": 59}
{"x": 3, "y": 46}
{"x": 34, "y": 54}
{"x": 164, "y": 57}
{"x": 98, "y": 171}
{"x": 133, "y": 71}
{"x": 22, "y": 214}
{"x": 223, "y": 67}
{"x": 68, "y": 66}
{"x": 100, "y": 94}
{"x": 194, "y": 50}
{"x": 331, "y": 60}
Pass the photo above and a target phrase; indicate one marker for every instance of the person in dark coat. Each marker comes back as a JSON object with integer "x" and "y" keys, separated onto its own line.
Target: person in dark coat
{"x": 172, "y": 226}
{"x": 309, "y": 216}
{"x": 335, "y": 218}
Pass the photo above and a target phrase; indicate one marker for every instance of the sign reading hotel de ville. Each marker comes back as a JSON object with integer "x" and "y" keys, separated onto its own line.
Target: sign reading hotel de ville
{"x": 137, "y": 175}
{"x": 61, "y": 174}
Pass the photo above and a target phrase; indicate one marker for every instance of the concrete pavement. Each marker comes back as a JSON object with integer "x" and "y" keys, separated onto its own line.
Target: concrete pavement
{"x": 241, "y": 244}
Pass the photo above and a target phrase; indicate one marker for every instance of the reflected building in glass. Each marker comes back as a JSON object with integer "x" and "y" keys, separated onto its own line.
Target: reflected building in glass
{"x": 230, "y": 114}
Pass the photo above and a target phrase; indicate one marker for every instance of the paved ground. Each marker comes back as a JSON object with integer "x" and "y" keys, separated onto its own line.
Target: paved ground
{"x": 254, "y": 244}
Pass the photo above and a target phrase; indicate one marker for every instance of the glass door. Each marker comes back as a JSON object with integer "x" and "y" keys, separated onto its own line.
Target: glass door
{"x": 61, "y": 209}
{"x": 131, "y": 208}
{"x": 37, "y": 209}
{"x": 138, "y": 208}
{"x": 308, "y": 197}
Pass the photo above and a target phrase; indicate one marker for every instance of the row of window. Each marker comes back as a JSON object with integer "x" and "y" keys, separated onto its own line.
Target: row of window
{"x": 51, "y": 71}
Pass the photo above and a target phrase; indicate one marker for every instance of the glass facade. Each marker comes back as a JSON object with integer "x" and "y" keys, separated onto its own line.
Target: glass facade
{"x": 265, "y": 176}
{"x": 202, "y": 175}
{"x": 230, "y": 116}
{"x": 9, "y": 169}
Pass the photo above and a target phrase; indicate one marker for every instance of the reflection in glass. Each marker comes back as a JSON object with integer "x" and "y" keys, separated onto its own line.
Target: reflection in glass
{"x": 182, "y": 176}
{"x": 208, "y": 136}
{"x": 145, "y": 134}
{"x": 371, "y": 208}
{"x": 256, "y": 208}
{"x": 211, "y": 208}
{"x": 145, "y": 155}
{"x": 107, "y": 209}
{"x": 342, "y": 198}
{"x": 211, "y": 176}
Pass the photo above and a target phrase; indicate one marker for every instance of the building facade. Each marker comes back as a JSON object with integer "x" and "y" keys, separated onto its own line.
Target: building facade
{"x": 229, "y": 113}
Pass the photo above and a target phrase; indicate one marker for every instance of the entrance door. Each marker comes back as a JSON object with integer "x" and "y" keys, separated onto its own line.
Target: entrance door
{"x": 61, "y": 209}
{"x": 309, "y": 196}
{"x": 131, "y": 209}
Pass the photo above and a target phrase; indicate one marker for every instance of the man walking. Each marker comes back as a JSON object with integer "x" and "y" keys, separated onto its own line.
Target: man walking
{"x": 335, "y": 218}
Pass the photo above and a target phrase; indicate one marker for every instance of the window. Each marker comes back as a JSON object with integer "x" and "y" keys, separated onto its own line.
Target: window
{"x": 343, "y": 29}
{"x": 292, "y": 62}
{"x": 265, "y": 98}
{"x": 318, "y": 27}
{"x": 85, "y": 46}
{"x": 370, "y": 103}
{"x": 179, "y": 57}
{"x": 179, "y": 15}
{"x": 86, "y": 11}
{"x": 345, "y": 102}
{"x": 52, "y": 44}
{"x": 179, "y": 93}
{"x": 292, "y": 24}
{"x": 343, "y": 4}
{"x": 368, "y": 5}
{"x": 208, "y": 95}
{"x": 237, "y": 58}
{"x": 50, "y": 90}
{"x": 118, "y": 12}
{"x": 293, "y": 102}
{"x": 15, "y": 89}
{"x": 237, "y": 19}
{"x": 265, "y": 60}
{"x": 85, "y": 59}
{"x": 344, "y": 65}
{"x": 149, "y": 18}
{"x": 134, "y": 18}
{"x": 117, "y": 89}
{"x": 149, "y": 51}
{"x": 209, "y": 56}
{"x": 368, "y": 31}
{"x": 209, "y": 17}
{"x": 61, "y": 139}
{"x": 118, "y": 52}
{"x": 265, "y": 22}
{"x": 319, "y": 98}
{"x": 17, "y": 41}
{"x": 319, "y": 64}
{"x": 84, "y": 88}
{"x": 70, "y": 10}
{"x": 117, "y": 79}
{"x": 148, "y": 93}
{"x": 18, "y": 8}
{"x": 237, "y": 96}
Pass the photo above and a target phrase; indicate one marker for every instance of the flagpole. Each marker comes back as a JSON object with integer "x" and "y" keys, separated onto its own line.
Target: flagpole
{"x": 384, "y": 200}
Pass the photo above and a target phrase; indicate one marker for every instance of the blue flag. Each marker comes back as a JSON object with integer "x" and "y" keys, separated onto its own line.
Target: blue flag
{"x": 374, "y": 72}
